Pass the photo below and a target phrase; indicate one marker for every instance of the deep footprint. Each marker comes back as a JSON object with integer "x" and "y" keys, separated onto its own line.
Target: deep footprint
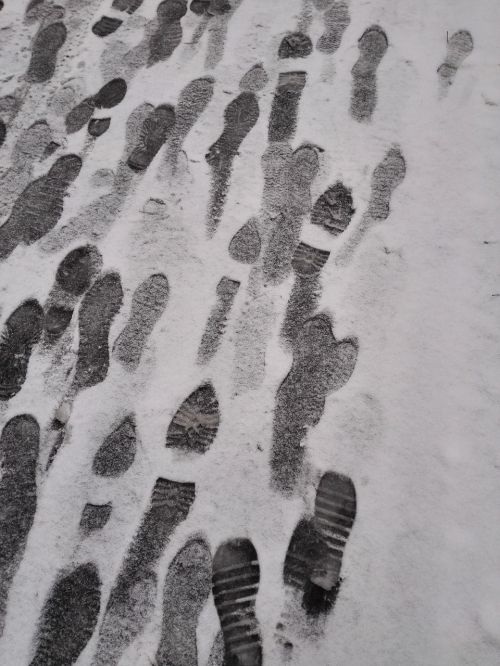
{"x": 333, "y": 210}
{"x": 240, "y": 117}
{"x": 186, "y": 590}
{"x": 196, "y": 422}
{"x": 116, "y": 454}
{"x": 216, "y": 324}
{"x": 235, "y": 583}
{"x": 321, "y": 364}
{"x": 285, "y": 107}
{"x": 44, "y": 51}
{"x": 372, "y": 46}
{"x": 154, "y": 132}
{"x": 336, "y": 20}
{"x": 314, "y": 558}
{"x": 106, "y": 25}
{"x": 97, "y": 311}
{"x": 39, "y": 208}
{"x": 20, "y": 334}
{"x": 132, "y": 599}
{"x": 19, "y": 447}
{"x": 148, "y": 304}
{"x": 68, "y": 618}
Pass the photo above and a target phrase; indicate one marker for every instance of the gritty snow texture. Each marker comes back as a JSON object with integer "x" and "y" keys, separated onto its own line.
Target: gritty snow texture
{"x": 249, "y": 320}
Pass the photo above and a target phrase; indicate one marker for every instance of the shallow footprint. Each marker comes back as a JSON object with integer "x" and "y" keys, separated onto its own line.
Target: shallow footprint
{"x": 148, "y": 304}
{"x": 20, "y": 334}
{"x": 459, "y": 47}
{"x": 186, "y": 590}
{"x": 372, "y": 46}
{"x": 336, "y": 20}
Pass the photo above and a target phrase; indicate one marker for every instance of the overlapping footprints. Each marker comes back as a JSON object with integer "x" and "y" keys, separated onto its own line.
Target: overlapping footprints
{"x": 240, "y": 117}
{"x": 168, "y": 35}
{"x": 154, "y": 132}
{"x": 69, "y": 617}
{"x": 321, "y": 364}
{"x": 194, "y": 425}
{"x": 39, "y": 208}
{"x": 314, "y": 557}
{"x": 106, "y": 25}
{"x": 74, "y": 276}
{"x": 108, "y": 96}
{"x": 235, "y": 583}
{"x": 132, "y": 599}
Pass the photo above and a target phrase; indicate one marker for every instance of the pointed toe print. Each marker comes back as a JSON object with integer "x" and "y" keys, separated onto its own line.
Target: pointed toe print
{"x": 372, "y": 47}
{"x": 333, "y": 210}
{"x": 459, "y": 47}
{"x": 254, "y": 80}
{"x": 44, "y": 51}
{"x": 97, "y": 312}
{"x": 94, "y": 517}
{"x": 245, "y": 244}
{"x": 186, "y": 590}
{"x": 106, "y": 25}
{"x": 387, "y": 175}
{"x": 68, "y": 618}
{"x": 118, "y": 450}
{"x": 19, "y": 447}
{"x": 336, "y": 20}
{"x": 235, "y": 583}
{"x": 155, "y": 129}
{"x": 20, "y": 334}
{"x": 132, "y": 600}
{"x": 321, "y": 364}
{"x": 216, "y": 324}
{"x": 111, "y": 94}
{"x": 196, "y": 422}
{"x": 148, "y": 304}
{"x": 295, "y": 45}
